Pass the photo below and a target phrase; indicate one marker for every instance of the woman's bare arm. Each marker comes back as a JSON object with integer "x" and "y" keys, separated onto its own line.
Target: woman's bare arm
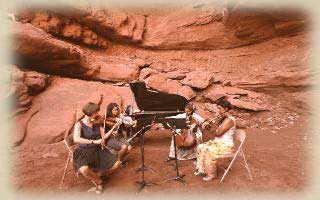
{"x": 226, "y": 125}
{"x": 78, "y": 139}
{"x": 107, "y": 135}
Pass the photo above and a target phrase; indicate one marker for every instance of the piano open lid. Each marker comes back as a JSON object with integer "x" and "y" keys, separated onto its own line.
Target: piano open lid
{"x": 149, "y": 100}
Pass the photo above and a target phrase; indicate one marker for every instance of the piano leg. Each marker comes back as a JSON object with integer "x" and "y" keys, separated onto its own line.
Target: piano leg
{"x": 178, "y": 177}
{"x": 143, "y": 183}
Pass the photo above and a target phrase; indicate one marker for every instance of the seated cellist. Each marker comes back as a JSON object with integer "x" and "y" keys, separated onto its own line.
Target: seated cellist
{"x": 188, "y": 151}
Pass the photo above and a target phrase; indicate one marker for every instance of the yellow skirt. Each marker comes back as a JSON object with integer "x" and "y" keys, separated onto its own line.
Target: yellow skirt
{"x": 208, "y": 152}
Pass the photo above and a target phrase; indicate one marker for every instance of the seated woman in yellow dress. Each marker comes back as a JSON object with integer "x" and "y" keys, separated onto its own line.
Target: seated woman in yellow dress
{"x": 208, "y": 152}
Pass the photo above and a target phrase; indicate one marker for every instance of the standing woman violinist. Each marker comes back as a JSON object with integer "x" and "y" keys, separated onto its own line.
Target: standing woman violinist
{"x": 90, "y": 158}
{"x": 117, "y": 140}
{"x": 208, "y": 152}
{"x": 188, "y": 151}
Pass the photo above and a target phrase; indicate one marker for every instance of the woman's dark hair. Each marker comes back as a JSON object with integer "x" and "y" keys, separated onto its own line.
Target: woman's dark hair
{"x": 90, "y": 108}
{"x": 224, "y": 103}
{"x": 110, "y": 108}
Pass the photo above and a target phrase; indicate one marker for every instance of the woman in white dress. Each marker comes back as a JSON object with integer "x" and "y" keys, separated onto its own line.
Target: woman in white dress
{"x": 208, "y": 152}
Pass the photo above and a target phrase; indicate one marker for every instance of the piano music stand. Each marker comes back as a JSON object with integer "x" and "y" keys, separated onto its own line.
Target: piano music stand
{"x": 178, "y": 177}
{"x": 143, "y": 183}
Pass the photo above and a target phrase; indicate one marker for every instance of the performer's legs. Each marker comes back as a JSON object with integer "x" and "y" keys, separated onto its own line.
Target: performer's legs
{"x": 211, "y": 170}
{"x": 109, "y": 171}
{"x": 125, "y": 150}
{"x": 171, "y": 152}
{"x": 115, "y": 166}
{"x": 128, "y": 149}
{"x": 89, "y": 174}
{"x": 200, "y": 161}
{"x": 122, "y": 152}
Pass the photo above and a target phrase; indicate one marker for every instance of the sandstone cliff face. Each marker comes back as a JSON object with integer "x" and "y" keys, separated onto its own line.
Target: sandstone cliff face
{"x": 199, "y": 52}
{"x": 176, "y": 28}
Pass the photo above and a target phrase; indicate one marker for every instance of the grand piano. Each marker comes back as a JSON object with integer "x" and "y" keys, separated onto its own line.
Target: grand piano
{"x": 156, "y": 106}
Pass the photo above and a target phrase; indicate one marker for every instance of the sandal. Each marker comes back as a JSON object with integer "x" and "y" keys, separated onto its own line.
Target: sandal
{"x": 168, "y": 159}
{"x": 99, "y": 188}
{"x": 208, "y": 178}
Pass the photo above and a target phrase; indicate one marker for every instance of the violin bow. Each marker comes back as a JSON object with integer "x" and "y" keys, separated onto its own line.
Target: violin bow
{"x": 104, "y": 125}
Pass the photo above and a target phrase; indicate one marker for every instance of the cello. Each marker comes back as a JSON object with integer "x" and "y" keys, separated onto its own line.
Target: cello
{"x": 188, "y": 139}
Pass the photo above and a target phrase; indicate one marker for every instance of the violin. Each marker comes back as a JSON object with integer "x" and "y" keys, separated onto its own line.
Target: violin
{"x": 212, "y": 126}
{"x": 124, "y": 120}
{"x": 98, "y": 120}
{"x": 188, "y": 139}
{"x": 110, "y": 122}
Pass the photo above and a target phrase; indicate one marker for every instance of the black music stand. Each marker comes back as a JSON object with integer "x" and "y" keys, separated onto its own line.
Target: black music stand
{"x": 178, "y": 177}
{"x": 143, "y": 183}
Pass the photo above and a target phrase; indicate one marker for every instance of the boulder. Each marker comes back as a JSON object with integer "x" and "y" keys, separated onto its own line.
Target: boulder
{"x": 246, "y": 105}
{"x": 187, "y": 92}
{"x": 176, "y": 75}
{"x": 240, "y": 98}
{"x": 217, "y": 91}
{"x": 211, "y": 107}
{"x": 112, "y": 69}
{"x": 58, "y": 104}
{"x": 140, "y": 62}
{"x": 198, "y": 79}
{"x": 161, "y": 83}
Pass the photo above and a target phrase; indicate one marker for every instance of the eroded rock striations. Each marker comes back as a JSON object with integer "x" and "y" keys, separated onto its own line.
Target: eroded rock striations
{"x": 67, "y": 57}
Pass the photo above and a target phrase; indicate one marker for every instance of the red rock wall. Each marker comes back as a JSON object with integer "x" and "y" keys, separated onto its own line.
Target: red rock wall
{"x": 198, "y": 52}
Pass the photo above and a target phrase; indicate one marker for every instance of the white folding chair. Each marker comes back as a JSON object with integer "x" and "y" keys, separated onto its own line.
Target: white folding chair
{"x": 239, "y": 136}
{"x": 70, "y": 144}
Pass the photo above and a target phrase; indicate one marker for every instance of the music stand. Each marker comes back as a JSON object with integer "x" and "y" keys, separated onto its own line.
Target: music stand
{"x": 178, "y": 177}
{"x": 143, "y": 183}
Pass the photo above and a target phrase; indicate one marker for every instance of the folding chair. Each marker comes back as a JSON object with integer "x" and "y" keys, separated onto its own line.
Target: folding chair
{"x": 240, "y": 136}
{"x": 70, "y": 144}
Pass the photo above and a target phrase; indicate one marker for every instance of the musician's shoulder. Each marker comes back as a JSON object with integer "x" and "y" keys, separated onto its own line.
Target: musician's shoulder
{"x": 78, "y": 124}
